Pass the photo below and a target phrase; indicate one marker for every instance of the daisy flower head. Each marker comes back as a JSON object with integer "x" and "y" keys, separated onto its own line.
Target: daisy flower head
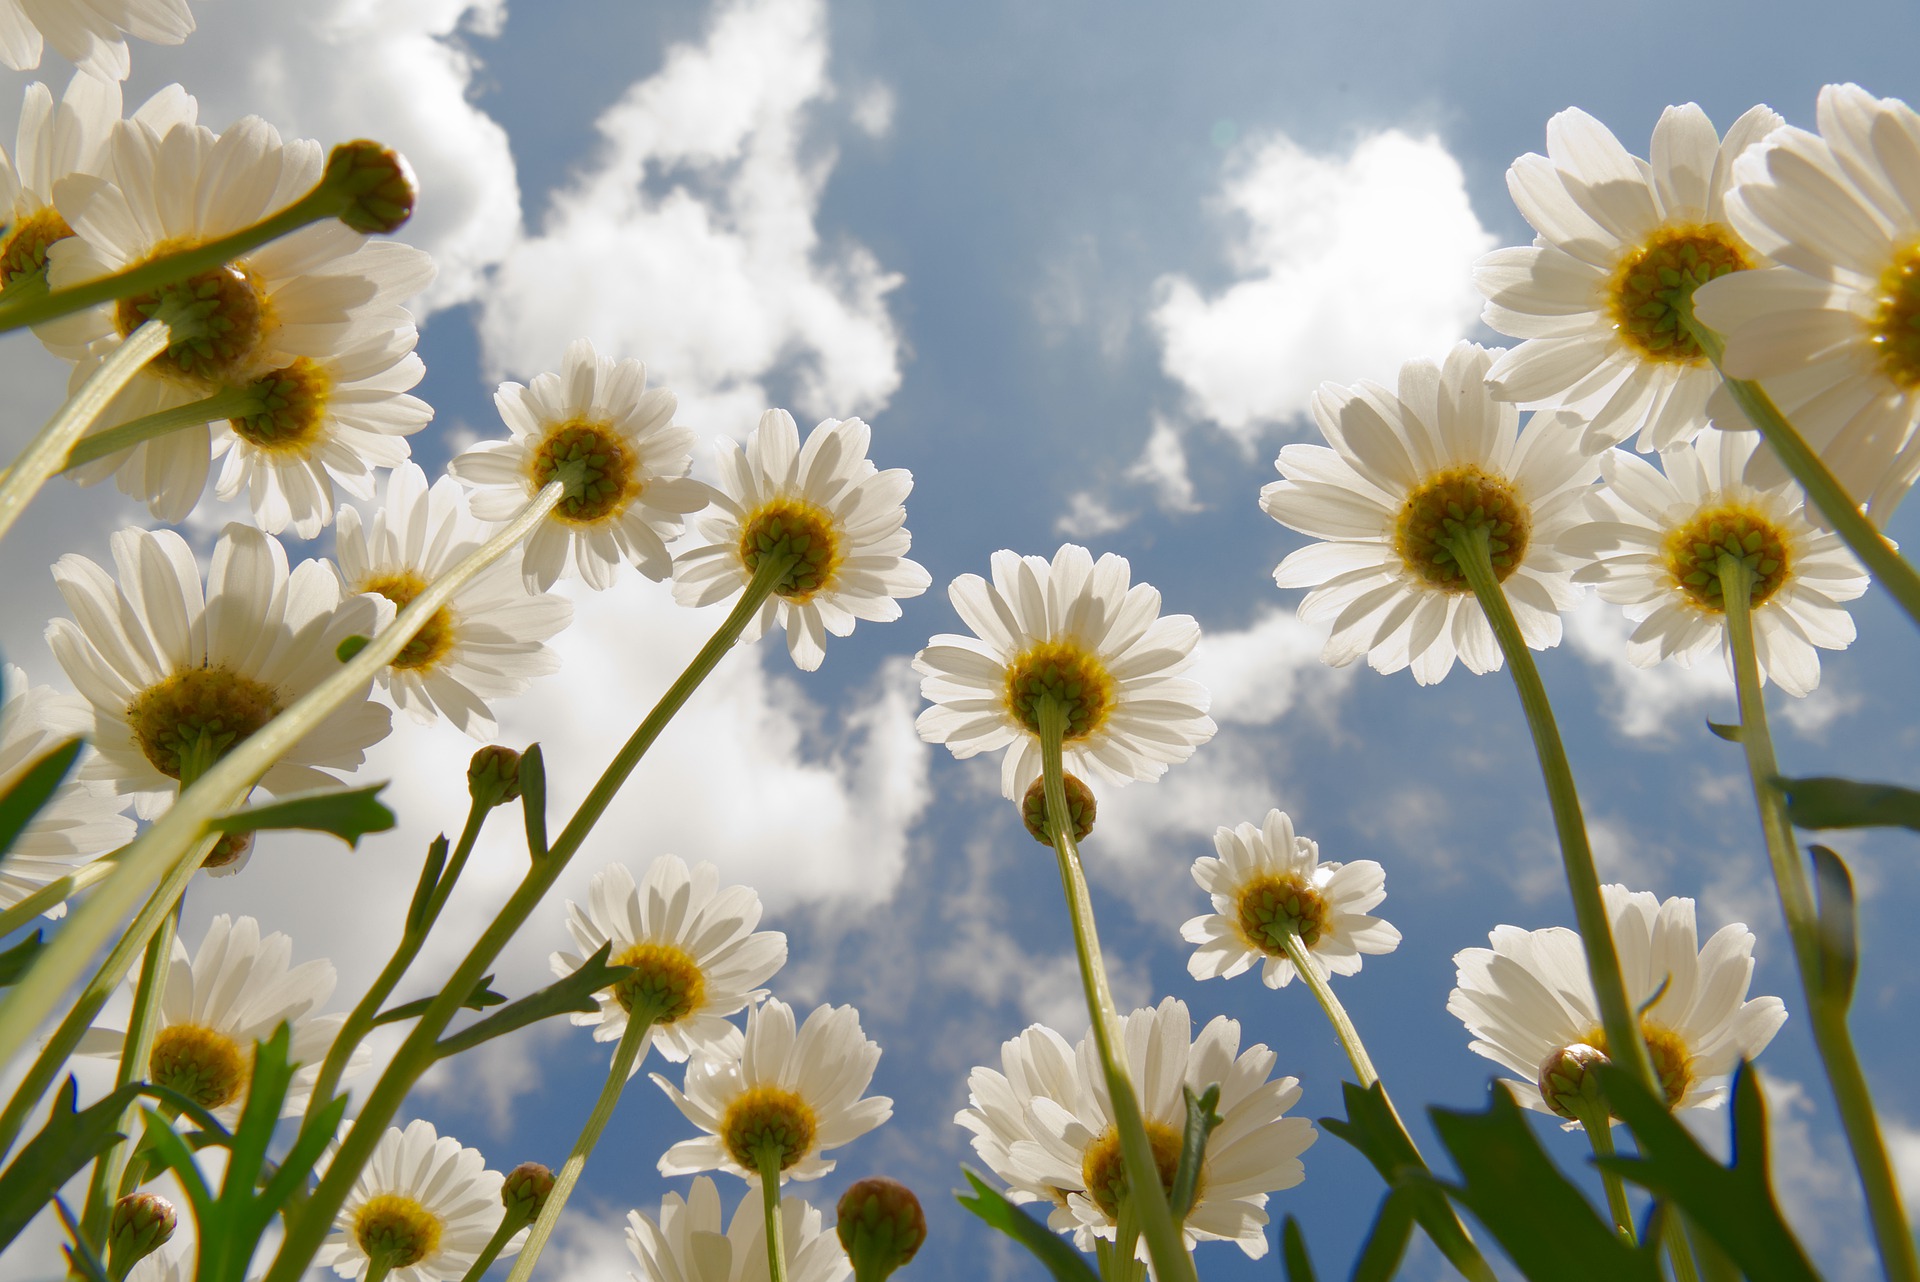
{"x": 825, "y": 504}
{"x": 1654, "y": 545}
{"x": 81, "y": 821}
{"x": 1835, "y": 328}
{"x": 1621, "y": 243}
{"x": 781, "y": 1096}
{"x": 1268, "y": 885}
{"x": 92, "y": 36}
{"x": 693, "y": 1242}
{"x": 1527, "y": 999}
{"x": 177, "y": 674}
{"x": 696, "y": 956}
{"x": 1076, "y": 631}
{"x": 1411, "y": 474}
{"x": 423, "y": 1203}
{"x": 488, "y": 643}
{"x": 1045, "y": 1126}
{"x": 599, "y": 416}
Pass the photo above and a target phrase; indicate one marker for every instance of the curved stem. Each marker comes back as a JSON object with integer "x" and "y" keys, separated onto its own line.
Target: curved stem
{"x": 135, "y": 1050}
{"x": 770, "y": 1209}
{"x": 1594, "y": 1120}
{"x": 1679, "y": 1250}
{"x": 510, "y": 1224}
{"x": 228, "y": 402}
{"x": 57, "y": 891}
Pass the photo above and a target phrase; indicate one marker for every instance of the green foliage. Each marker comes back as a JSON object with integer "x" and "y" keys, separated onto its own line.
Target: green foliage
{"x": 429, "y": 882}
{"x": 71, "y": 1138}
{"x": 351, "y": 646}
{"x": 1372, "y": 1127}
{"x": 1834, "y": 928}
{"x": 533, "y": 800}
{"x": 1060, "y": 1259}
{"x": 1387, "y": 1240}
{"x": 33, "y": 789}
{"x": 574, "y": 993}
{"x": 480, "y": 998}
{"x": 1293, "y": 1253}
{"x": 1202, "y": 1117}
{"x": 347, "y": 813}
{"x": 1730, "y": 733}
{"x": 15, "y": 961}
{"x": 1827, "y": 802}
{"x": 82, "y": 1260}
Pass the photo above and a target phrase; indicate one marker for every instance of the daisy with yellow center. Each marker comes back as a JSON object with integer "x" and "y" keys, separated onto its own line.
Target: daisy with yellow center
{"x": 693, "y": 1241}
{"x": 1622, "y": 243}
{"x": 422, "y": 1210}
{"x": 834, "y": 519}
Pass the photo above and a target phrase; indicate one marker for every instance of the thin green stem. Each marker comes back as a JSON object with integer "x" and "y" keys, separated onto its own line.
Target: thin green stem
{"x": 510, "y": 1224}
{"x": 135, "y": 1049}
{"x": 770, "y": 1208}
{"x": 1679, "y": 1251}
{"x": 58, "y": 891}
{"x": 1598, "y": 1125}
{"x": 228, "y": 402}
{"x": 1831, "y": 1034}
{"x": 377, "y": 1269}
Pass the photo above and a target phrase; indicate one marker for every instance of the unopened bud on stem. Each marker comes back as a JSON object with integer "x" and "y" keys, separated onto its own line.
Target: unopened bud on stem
{"x": 493, "y": 776}
{"x": 142, "y": 1223}
{"x": 1570, "y": 1086}
{"x": 1080, "y": 808}
{"x": 881, "y": 1226}
{"x": 525, "y": 1191}
{"x": 376, "y": 181}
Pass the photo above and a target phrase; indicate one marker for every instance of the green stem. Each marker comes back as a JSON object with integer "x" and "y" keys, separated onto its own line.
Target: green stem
{"x": 228, "y": 402}
{"x": 1595, "y": 1121}
{"x": 135, "y": 1049}
{"x": 1679, "y": 1250}
{"x": 633, "y": 1044}
{"x": 1831, "y": 1034}
{"x": 58, "y": 891}
{"x": 1165, "y": 1243}
{"x": 770, "y": 1208}
{"x": 510, "y": 1224}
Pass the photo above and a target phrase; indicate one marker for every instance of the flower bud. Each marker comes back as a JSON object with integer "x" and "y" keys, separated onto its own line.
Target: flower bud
{"x": 142, "y": 1223}
{"x": 378, "y": 183}
{"x": 525, "y": 1191}
{"x": 881, "y": 1226}
{"x": 230, "y": 849}
{"x": 1080, "y": 807}
{"x": 493, "y": 776}
{"x": 1570, "y": 1086}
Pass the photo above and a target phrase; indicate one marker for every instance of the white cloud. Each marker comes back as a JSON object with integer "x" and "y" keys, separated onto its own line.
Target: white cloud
{"x": 1162, "y": 465}
{"x": 1089, "y": 516}
{"x": 1347, "y": 266}
{"x": 1645, "y": 703}
{"x": 1256, "y": 674}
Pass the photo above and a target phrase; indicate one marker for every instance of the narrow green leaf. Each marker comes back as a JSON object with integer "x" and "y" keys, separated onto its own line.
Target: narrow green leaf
{"x": 1730, "y": 733}
{"x": 1293, "y": 1253}
{"x": 351, "y": 646}
{"x": 480, "y": 998}
{"x": 259, "y": 1116}
{"x": 1834, "y": 928}
{"x": 71, "y": 1138}
{"x": 33, "y": 789}
{"x": 1046, "y": 1246}
{"x": 574, "y": 993}
{"x": 1827, "y": 802}
{"x": 1386, "y": 1242}
{"x": 533, "y": 800}
{"x": 174, "y": 1155}
{"x": 347, "y": 813}
{"x": 14, "y": 962}
{"x": 1201, "y": 1119}
{"x": 82, "y": 1260}
{"x": 1371, "y": 1126}
{"x": 429, "y": 881}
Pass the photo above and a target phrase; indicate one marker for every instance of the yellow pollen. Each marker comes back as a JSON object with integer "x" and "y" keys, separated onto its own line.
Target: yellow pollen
{"x": 195, "y": 716}
{"x": 1651, "y": 282}
{"x": 435, "y": 637}
{"x": 1450, "y": 505}
{"x": 397, "y": 1229}
{"x": 1104, "y": 1172}
{"x": 610, "y": 477}
{"x": 1065, "y": 671}
{"x": 1273, "y": 906}
{"x": 1693, "y": 550}
{"x": 225, "y": 317}
{"x": 24, "y": 245}
{"x": 665, "y": 980}
{"x": 1672, "y": 1062}
{"x": 770, "y": 1120}
{"x": 207, "y": 1067}
{"x": 797, "y": 528}
{"x": 1895, "y": 328}
{"x": 294, "y": 411}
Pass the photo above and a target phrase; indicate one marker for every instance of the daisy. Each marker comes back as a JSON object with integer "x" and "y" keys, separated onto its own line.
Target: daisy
{"x": 178, "y": 675}
{"x": 1074, "y": 630}
{"x": 1621, "y": 241}
{"x": 780, "y": 1097}
{"x": 1528, "y": 999}
{"x": 488, "y": 643}
{"x": 1835, "y": 329}
{"x": 92, "y": 36}
{"x": 697, "y": 956}
{"x": 424, "y": 1203}
{"x": 601, "y": 413}
{"x": 81, "y": 821}
{"x": 1654, "y": 542}
{"x": 690, "y": 1243}
{"x": 237, "y": 989}
{"x": 1408, "y": 473}
{"x": 1045, "y": 1128}
{"x": 824, "y": 501}
{"x": 1269, "y": 884}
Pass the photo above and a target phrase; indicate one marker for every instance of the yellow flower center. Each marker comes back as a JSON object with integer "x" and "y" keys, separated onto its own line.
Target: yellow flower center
{"x": 294, "y": 409}
{"x": 768, "y": 1120}
{"x": 222, "y": 317}
{"x": 207, "y": 1067}
{"x": 665, "y": 980}
{"x": 1104, "y": 1172}
{"x": 1452, "y": 505}
{"x": 802, "y": 530}
{"x": 1650, "y": 283}
{"x": 192, "y": 718}
{"x": 395, "y": 1228}
{"x": 1693, "y": 551}
{"x": 1672, "y": 1062}
{"x": 1895, "y": 328}
{"x": 609, "y": 473}
{"x": 1062, "y": 670}
{"x": 435, "y": 637}
{"x": 23, "y": 248}
{"x": 1273, "y": 906}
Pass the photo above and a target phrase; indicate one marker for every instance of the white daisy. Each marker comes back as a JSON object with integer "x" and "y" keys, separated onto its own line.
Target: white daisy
{"x": 1074, "y": 630}
{"x": 828, "y": 503}
{"x": 1045, "y": 1127}
{"x": 1835, "y": 329}
{"x": 235, "y": 990}
{"x": 690, "y": 1243}
{"x": 1268, "y": 884}
{"x": 697, "y": 955}
{"x": 783, "y": 1095}
{"x": 600, "y": 412}
{"x": 1654, "y": 542}
{"x": 1408, "y": 472}
{"x": 488, "y": 643}
{"x": 1620, "y": 241}
{"x": 1528, "y": 998}
{"x": 177, "y": 675}
{"x": 90, "y": 35}
{"x": 424, "y": 1202}
{"x": 81, "y": 821}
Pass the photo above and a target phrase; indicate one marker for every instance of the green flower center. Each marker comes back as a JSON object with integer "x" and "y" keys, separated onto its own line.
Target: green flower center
{"x": 23, "y": 249}
{"x": 1450, "y": 505}
{"x": 395, "y": 1228}
{"x": 435, "y": 637}
{"x": 207, "y": 1067}
{"x": 1104, "y": 1171}
{"x": 1271, "y": 908}
{"x": 796, "y": 528}
{"x": 610, "y": 475}
{"x": 665, "y": 980}
{"x": 1651, "y": 283}
{"x": 769, "y": 1120}
{"x": 192, "y": 718}
{"x": 1693, "y": 553}
{"x": 1065, "y": 671}
{"x": 1895, "y": 328}
{"x": 293, "y": 411}
{"x": 221, "y": 318}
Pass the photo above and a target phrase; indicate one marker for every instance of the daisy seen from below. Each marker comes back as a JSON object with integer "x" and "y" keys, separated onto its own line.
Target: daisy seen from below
{"x": 177, "y": 674}
{"x": 1527, "y": 999}
{"x": 696, "y": 954}
{"x": 1411, "y": 475}
{"x": 1076, "y": 631}
{"x": 1268, "y": 884}
{"x": 780, "y": 1098}
{"x": 598, "y": 415}
{"x": 92, "y": 36}
{"x": 826, "y": 505}
{"x": 1621, "y": 241}
{"x": 488, "y": 643}
{"x": 1835, "y": 328}
{"x": 83, "y": 818}
{"x": 1045, "y": 1128}
{"x": 1654, "y": 544}
{"x": 424, "y": 1207}
{"x": 693, "y": 1242}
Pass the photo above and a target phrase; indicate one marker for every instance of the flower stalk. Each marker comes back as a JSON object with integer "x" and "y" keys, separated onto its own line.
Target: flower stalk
{"x": 770, "y": 1209}
{"x": 227, "y": 403}
{"x": 58, "y": 891}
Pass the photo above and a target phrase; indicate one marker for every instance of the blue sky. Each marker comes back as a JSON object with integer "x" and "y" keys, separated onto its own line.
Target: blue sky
{"x": 974, "y": 226}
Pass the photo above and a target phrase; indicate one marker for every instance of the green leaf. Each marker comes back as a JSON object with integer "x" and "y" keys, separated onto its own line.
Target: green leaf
{"x": 174, "y": 1155}
{"x": 480, "y": 998}
{"x": 351, "y": 646}
{"x": 574, "y": 993}
{"x": 33, "y": 789}
{"x": 347, "y": 813}
{"x": 533, "y": 800}
{"x": 1201, "y": 1119}
{"x": 14, "y": 962}
{"x": 1730, "y": 733}
{"x": 71, "y": 1138}
{"x": 429, "y": 882}
{"x": 1827, "y": 802}
{"x": 1046, "y": 1246}
{"x": 82, "y": 1260}
{"x": 1293, "y": 1253}
{"x": 1386, "y": 1242}
{"x": 1834, "y": 927}
{"x": 1372, "y": 1127}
